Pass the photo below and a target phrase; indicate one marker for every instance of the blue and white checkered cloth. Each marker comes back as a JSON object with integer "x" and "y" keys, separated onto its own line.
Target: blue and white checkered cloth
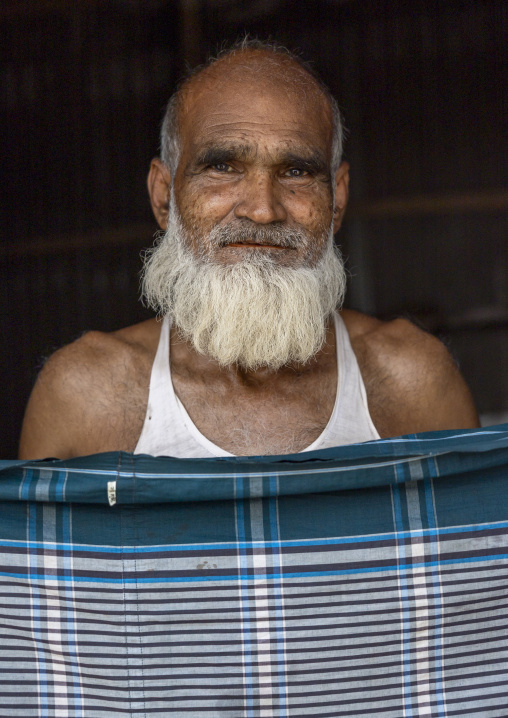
{"x": 367, "y": 580}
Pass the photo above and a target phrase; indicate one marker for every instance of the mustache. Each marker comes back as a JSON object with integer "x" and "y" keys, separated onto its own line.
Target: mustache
{"x": 247, "y": 232}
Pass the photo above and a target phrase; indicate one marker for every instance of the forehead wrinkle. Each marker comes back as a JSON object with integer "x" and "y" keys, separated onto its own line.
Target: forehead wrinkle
{"x": 237, "y": 135}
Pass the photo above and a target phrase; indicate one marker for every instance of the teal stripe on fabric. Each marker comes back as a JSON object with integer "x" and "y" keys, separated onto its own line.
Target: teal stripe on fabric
{"x": 337, "y": 541}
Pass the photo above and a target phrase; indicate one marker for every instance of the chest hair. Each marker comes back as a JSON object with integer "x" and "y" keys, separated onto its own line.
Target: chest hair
{"x": 285, "y": 419}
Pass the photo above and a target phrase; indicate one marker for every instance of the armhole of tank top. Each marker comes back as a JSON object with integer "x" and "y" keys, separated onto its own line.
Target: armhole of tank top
{"x": 363, "y": 392}
{"x": 339, "y": 352}
{"x": 340, "y": 358}
{"x": 160, "y": 369}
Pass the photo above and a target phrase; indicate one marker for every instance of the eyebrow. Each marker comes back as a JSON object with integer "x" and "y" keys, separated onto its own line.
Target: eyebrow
{"x": 216, "y": 154}
{"x": 311, "y": 161}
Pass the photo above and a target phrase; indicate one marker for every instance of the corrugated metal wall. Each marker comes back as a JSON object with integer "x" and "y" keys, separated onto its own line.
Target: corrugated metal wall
{"x": 423, "y": 89}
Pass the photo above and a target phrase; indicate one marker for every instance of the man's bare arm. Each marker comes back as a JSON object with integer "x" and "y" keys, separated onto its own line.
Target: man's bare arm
{"x": 91, "y": 395}
{"x": 56, "y": 418}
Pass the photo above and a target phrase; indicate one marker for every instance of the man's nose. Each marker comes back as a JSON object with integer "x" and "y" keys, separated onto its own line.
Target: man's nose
{"x": 260, "y": 200}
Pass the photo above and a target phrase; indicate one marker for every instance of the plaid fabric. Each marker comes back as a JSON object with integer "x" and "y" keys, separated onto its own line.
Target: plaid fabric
{"x": 368, "y": 580}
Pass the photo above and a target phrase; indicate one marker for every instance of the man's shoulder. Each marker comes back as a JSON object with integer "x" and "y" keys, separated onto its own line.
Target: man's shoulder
{"x": 86, "y": 387}
{"x": 412, "y": 381}
{"x": 101, "y": 354}
{"x": 398, "y": 341}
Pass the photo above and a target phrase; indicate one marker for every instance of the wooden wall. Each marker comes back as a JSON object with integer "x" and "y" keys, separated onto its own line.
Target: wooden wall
{"x": 422, "y": 86}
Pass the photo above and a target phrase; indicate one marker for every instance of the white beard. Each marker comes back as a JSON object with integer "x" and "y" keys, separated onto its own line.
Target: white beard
{"x": 254, "y": 313}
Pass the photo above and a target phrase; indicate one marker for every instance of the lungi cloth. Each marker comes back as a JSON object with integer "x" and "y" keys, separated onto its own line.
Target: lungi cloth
{"x": 367, "y": 580}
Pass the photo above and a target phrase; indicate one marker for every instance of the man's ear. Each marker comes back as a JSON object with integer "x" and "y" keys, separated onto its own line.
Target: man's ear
{"x": 159, "y": 189}
{"x": 341, "y": 194}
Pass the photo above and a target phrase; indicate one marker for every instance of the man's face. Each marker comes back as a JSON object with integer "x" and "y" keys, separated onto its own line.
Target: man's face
{"x": 246, "y": 267}
{"x": 255, "y": 156}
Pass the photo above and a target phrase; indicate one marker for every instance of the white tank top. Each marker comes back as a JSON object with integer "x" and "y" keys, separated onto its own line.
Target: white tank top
{"x": 168, "y": 430}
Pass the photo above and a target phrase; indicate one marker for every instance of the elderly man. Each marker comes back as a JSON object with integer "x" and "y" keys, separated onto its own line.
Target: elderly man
{"x": 253, "y": 355}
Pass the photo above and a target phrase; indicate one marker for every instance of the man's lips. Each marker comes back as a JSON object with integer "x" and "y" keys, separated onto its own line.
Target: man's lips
{"x": 255, "y": 244}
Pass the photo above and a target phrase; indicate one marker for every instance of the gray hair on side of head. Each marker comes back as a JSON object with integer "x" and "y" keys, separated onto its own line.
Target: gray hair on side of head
{"x": 169, "y": 138}
{"x": 170, "y": 141}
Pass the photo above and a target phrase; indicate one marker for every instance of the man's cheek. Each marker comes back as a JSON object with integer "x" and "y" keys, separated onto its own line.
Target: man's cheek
{"x": 196, "y": 228}
{"x": 207, "y": 208}
{"x": 312, "y": 208}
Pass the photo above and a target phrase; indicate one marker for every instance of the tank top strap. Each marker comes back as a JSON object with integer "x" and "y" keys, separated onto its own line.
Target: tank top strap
{"x": 351, "y": 393}
{"x": 350, "y": 421}
{"x": 160, "y": 370}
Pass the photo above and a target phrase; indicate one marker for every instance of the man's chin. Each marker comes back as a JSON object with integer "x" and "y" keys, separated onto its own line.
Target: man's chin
{"x": 260, "y": 248}
{"x": 260, "y": 363}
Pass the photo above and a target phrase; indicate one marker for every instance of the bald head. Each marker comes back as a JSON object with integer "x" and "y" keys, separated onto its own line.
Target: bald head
{"x": 254, "y": 65}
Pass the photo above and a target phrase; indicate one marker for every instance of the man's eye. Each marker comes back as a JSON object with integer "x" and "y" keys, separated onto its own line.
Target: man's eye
{"x": 295, "y": 172}
{"x": 221, "y": 167}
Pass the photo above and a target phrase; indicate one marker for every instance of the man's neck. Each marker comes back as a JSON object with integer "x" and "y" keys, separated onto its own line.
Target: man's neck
{"x": 249, "y": 412}
{"x": 187, "y": 361}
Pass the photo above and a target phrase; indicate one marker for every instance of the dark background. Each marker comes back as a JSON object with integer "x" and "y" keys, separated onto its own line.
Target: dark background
{"x": 422, "y": 86}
